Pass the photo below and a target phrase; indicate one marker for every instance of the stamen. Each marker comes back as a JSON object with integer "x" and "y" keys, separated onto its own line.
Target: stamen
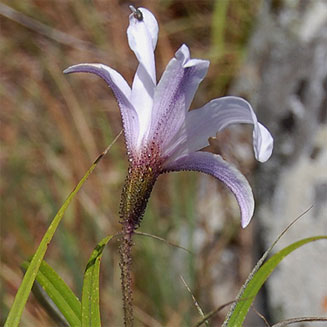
{"x": 136, "y": 13}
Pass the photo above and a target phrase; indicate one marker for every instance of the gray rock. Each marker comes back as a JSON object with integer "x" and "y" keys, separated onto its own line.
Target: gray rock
{"x": 285, "y": 78}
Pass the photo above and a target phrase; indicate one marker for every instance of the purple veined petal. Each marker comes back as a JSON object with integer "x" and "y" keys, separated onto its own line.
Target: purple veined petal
{"x": 198, "y": 68}
{"x": 174, "y": 94}
{"x": 200, "y": 124}
{"x": 122, "y": 93}
{"x": 142, "y": 39}
{"x": 214, "y": 165}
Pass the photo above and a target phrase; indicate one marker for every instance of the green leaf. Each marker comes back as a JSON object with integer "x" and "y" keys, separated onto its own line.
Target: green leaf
{"x": 60, "y": 293}
{"x": 24, "y": 290}
{"x": 241, "y": 309}
{"x": 90, "y": 292}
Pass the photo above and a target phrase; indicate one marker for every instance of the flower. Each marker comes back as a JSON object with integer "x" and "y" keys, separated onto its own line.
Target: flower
{"x": 161, "y": 134}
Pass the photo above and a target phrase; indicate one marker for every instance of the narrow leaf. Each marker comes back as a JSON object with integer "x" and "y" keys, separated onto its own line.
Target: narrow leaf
{"x": 24, "y": 290}
{"x": 90, "y": 292}
{"x": 60, "y": 293}
{"x": 260, "y": 262}
{"x": 240, "y": 311}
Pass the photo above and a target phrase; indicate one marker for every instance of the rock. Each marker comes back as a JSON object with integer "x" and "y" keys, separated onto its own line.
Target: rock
{"x": 285, "y": 78}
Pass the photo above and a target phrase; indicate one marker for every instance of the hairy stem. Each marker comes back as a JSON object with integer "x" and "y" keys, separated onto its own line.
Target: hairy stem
{"x": 138, "y": 185}
{"x": 126, "y": 279}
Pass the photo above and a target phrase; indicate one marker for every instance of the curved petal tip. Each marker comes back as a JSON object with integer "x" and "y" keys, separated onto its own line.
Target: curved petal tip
{"x": 217, "y": 167}
{"x": 263, "y": 143}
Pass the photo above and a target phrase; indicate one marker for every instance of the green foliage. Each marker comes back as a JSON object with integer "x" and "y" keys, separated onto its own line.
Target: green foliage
{"x": 24, "y": 290}
{"x": 77, "y": 314}
{"x": 219, "y": 25}
{"x": 59, "y": 292}
{"x": 90, "y": 294}
{"x": 239, "y": 312}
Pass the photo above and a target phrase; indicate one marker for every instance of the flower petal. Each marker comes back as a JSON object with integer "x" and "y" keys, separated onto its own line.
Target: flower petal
{"x": 200, "y": 124}
{"x": 122, "y": 93}
{"x": 214, "y": 165}
{"x": 174, "y": 94}
{"x": 142, "y": 39}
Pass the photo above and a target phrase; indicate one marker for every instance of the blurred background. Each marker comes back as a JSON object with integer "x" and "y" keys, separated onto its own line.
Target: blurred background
{"x": 53, "y": 127}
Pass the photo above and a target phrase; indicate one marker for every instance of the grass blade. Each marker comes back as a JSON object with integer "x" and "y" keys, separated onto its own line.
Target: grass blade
{"x": 260, "y": 263}
{"x": 90, "y": 292}
{"x": 241, "y": 309}
{"x": 24, "y": 290}
{"x": 59, "y": 292}
{"x": 218, "y": 26}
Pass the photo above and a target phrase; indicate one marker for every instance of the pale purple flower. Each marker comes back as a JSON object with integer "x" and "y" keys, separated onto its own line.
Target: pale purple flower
{"x": 161, "y": 133}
